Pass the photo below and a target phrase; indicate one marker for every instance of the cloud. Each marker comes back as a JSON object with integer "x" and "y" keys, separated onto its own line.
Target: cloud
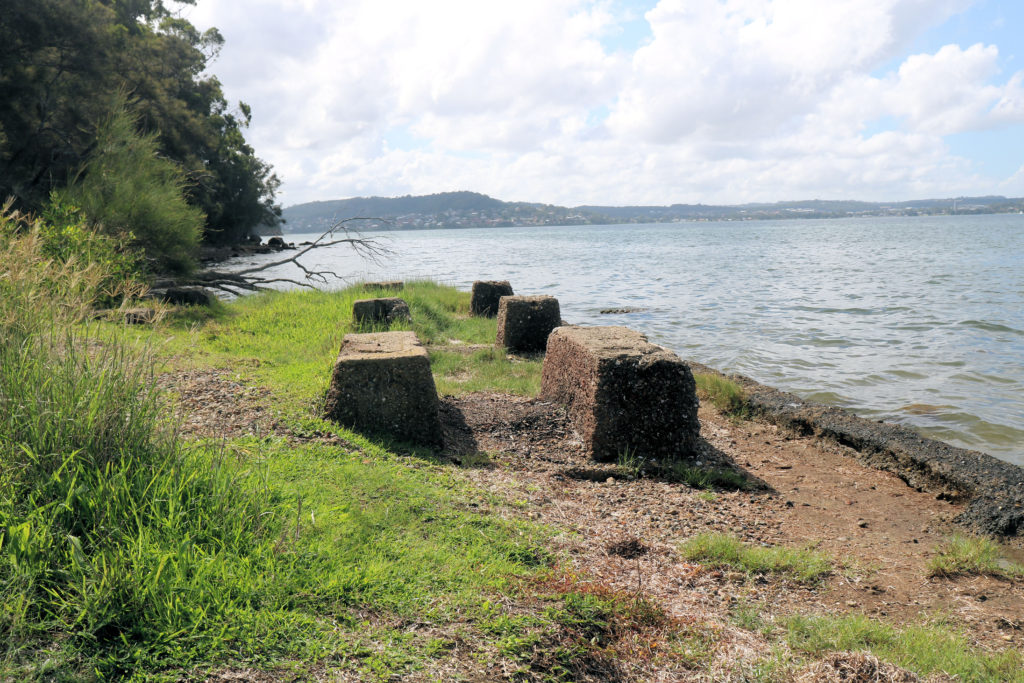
{"x": 725, "y": 101}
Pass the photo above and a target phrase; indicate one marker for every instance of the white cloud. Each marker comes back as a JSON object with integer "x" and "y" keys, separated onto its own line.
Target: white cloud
{"x": 728, "y": 101}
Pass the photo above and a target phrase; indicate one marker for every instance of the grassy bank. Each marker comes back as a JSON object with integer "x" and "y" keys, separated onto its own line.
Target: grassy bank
{"x": 307, "y": 549}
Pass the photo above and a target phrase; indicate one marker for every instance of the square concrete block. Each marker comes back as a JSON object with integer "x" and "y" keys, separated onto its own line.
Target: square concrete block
{"x": 524, "y": 322}
{"x": 486, "y": 295}
{"x": 622, "y": 392}
{"x": 382, "y": 311}
{"x": 382, "y": 384}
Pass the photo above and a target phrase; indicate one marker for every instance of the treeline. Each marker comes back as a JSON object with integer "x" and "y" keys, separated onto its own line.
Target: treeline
{"x": 107, "y": 112}
{"x": 395, "y": 206}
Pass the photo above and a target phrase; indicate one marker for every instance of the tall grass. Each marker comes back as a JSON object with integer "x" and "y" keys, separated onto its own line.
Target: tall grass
{"x": 126, "y": 552}
{"x": 107, "y": 526}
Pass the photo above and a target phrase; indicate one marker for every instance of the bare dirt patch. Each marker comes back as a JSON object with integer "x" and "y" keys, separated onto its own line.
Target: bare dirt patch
{"x": 214, "y": 404}
{"x": 880, "y": 532}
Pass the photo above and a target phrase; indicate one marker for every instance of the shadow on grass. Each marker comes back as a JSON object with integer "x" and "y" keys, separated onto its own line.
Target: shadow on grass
{"x": 709, "y": 469}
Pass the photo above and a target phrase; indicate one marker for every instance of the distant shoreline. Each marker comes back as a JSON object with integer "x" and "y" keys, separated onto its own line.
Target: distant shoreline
{"x": 455, "y": 210}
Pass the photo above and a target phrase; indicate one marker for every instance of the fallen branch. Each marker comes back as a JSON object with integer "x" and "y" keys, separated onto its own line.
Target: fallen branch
{"x": 251, "y": 280}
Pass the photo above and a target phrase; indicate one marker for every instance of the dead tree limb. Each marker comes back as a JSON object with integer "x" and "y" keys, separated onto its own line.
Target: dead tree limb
{"x": 254, "y": 279}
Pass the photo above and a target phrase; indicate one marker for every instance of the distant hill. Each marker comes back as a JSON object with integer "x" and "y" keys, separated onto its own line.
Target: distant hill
{"x": 474, "y": 210}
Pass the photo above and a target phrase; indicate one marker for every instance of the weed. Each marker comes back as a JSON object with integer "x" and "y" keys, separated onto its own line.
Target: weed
{"x": 924, "y": 649}
{"x": 723, "y": 393}
{"x": 705, "y": 477}
{"x": 723, "y": 550}
{"x": 972, "y": 555}
{"x": 629, "y": 464}
{"x": 751, "y": 618}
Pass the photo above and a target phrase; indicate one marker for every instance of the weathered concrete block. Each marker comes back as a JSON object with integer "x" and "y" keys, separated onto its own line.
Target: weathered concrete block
{"x": 486, "y": 295}
{"x": 380, "y": 311}
{"x": 388, "y": 284}
{"x": 524, "y": 322}
{"x": 382, "y": 384}
{"x": 622, "y": 392}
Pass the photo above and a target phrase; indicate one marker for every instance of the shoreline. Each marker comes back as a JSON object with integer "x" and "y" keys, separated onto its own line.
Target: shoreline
{"x": 992, "y": 490}
{"x": 615, "y": 528}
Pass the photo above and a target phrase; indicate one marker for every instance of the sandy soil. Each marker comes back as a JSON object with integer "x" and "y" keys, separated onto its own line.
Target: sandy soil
{"x": 878, "y": 529}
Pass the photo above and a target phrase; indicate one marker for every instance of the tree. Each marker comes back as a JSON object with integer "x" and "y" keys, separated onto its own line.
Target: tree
{"x": 125, "y": 189}
{"x": 60, "y": 59}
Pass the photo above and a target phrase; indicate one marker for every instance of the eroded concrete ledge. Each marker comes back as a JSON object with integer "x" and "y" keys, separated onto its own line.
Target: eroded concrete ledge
{"x": 992, "y": 490}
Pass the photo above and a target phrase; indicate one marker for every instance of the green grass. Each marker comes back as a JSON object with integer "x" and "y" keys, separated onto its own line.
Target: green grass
{"x": 924, "y": 649}
{"x": 725, "y": 551}
{"x": 128, "y": 553}
{"x": 489, "y": 369}
{"x": 290, "y": 340}
{"x": 968, "y": 555}
{"x": 723, "y": 393}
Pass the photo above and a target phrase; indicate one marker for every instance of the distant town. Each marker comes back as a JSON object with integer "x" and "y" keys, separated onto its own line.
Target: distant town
{"x": 474, "y": 210}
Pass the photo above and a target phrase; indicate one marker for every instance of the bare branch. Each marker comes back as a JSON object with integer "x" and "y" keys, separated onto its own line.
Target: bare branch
{"x": 249, "y": 279}
{"x": 366, "y": 247}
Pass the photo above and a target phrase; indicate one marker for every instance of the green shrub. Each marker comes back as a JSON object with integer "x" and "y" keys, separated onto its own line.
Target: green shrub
{"x": 127, "y": 190}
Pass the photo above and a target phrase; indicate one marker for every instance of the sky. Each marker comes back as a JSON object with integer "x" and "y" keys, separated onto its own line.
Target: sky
{"x": 620, "y": 102}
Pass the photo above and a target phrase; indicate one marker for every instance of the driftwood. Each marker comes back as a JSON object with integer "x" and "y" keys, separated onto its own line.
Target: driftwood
{"x": 254, "y": 279}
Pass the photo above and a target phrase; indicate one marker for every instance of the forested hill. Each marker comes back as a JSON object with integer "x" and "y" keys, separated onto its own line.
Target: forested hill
{"x": 471, "y": 209}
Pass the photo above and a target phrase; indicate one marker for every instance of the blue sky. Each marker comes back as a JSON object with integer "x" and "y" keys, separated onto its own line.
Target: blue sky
{"x": 629, "y": 101}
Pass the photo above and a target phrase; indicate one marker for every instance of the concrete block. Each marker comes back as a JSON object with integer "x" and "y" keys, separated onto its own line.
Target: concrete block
{"x": 622, "y": 392}
{"x": 486, "y": 295}
{"x": 524, "y": 322}
{"x": 382, "y": 384}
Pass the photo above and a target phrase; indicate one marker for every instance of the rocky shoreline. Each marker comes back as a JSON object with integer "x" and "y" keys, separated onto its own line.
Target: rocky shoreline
{"x": 991, "y": 489}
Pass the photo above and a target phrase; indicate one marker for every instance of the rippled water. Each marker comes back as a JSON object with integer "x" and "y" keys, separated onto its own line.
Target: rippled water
{"x": 913, "y": 320}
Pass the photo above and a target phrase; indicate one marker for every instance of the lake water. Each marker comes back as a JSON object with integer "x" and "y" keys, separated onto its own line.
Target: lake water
{"x": 912, "y": 320}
